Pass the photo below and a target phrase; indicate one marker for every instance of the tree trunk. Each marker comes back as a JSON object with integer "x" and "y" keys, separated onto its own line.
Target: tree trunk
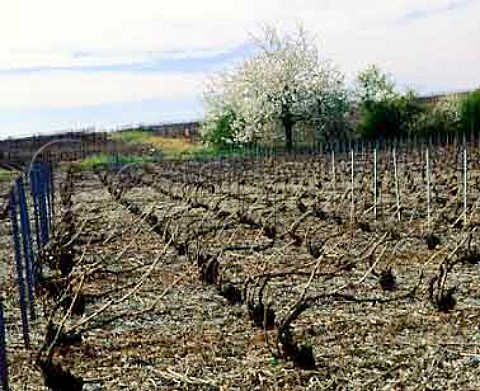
{"x": 288, "y": 126}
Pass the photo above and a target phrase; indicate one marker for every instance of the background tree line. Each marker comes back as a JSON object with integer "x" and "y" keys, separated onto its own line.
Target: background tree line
{"x": 288, "y": 93}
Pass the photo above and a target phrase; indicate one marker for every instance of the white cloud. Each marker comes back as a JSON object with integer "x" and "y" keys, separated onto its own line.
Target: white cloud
{"x": 74, "y": 88}
{"x": 52, "y": 30}
{"x": 438, "y": 51}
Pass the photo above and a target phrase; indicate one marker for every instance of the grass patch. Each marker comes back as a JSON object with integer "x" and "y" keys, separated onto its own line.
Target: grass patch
{"x": 132, "y": 136}
{"x": 180, "y": 148}
{"x": 5, "y": 175}
{"x": 219, "y": 152}
{"x": 169, "y": 147}
{"x": 104, "y": 159}
{"x": 174, "y": 146}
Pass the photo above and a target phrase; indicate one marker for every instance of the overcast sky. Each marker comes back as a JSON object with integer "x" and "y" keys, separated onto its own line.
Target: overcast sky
{"x": 104, "y": 63}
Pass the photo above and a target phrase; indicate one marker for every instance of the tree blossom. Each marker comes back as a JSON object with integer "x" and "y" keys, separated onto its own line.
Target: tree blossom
{"x": 286, "y": 84}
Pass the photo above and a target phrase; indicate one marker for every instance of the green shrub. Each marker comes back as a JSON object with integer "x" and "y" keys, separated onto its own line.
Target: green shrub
{"x": 379, "y": 120}
{"x": 441, "y": 117}
{"x": 218, "y": 127}
{"x": 389, "y": 117}
{"x": 470, "y": 112}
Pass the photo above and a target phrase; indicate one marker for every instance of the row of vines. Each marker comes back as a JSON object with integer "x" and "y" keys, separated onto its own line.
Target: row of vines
{"x": 325, "y": 258}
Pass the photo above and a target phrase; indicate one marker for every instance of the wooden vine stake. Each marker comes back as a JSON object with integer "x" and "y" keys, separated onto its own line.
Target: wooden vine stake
{"x": 464, "y": 174}
{"x": 3, "y": 351}
{"x": 397, "y": 189}
{"x": 375, "y": 183}
{"x": 333, "y": 169}
{"x": 352, "y": 184}
{"x": 427, "y": 176}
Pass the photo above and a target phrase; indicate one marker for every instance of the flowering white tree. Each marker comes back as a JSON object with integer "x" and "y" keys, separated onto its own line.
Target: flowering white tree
{"x": 374, "y": 86}
{"x": 285, "y": 84}
{"x": 442, "y": 116}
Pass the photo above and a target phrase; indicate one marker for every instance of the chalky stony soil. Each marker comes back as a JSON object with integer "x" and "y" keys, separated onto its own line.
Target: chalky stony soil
{"x": 177, "y": 333}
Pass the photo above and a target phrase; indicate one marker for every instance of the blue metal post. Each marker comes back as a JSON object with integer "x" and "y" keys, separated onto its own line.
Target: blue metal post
{"x": 27, "y": 244}
{"x": 18, "y": 264}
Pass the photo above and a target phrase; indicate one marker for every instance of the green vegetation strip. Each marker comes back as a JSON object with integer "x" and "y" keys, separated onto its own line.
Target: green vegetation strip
{"x": 5, "y": 175}
{"x": 104, "y": 159}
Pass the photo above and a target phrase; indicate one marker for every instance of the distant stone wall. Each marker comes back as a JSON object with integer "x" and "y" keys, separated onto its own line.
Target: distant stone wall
{"x": 189, "y": 130}
{"x": 68, "y": 146}
{"x": 432, "y": 99}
